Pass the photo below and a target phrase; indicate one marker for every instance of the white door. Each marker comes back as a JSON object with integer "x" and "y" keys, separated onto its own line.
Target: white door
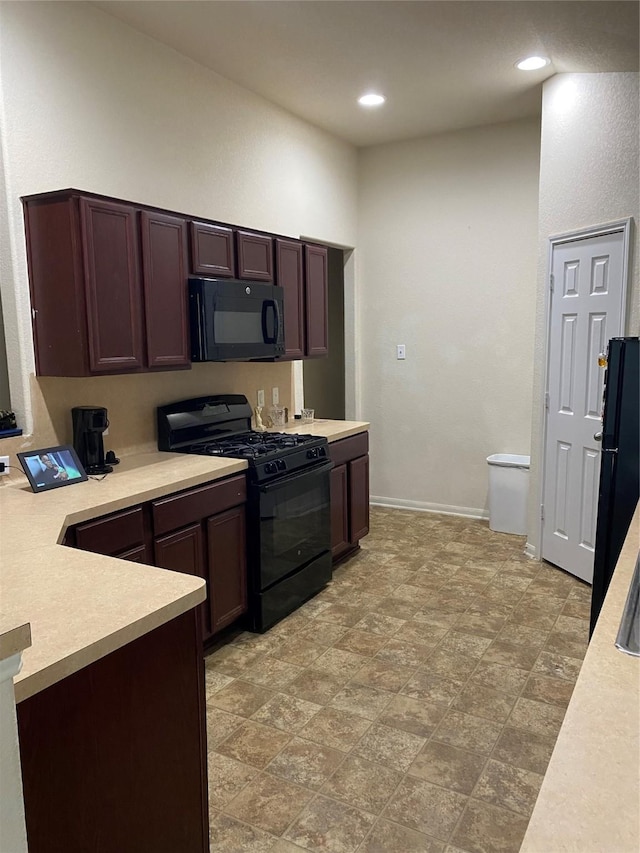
{"x": 587, "y": 309}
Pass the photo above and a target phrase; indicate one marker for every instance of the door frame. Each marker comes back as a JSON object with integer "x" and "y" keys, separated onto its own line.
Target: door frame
{"x": 626, "y": 226}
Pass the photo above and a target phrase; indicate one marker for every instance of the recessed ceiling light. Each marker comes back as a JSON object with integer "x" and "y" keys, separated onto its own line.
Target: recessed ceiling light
{"x": 371, "y": 100}
{"x": 532, "y": 63}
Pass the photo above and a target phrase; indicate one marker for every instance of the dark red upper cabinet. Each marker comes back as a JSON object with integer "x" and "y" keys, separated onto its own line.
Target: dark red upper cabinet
{"x": 212, "y": 250}
{"x": 290, "y": 276}
{"x": 164, "y": 277}
{"x": 316, "y": 309}
{"x": 255, "y": 256}
{"x": 112, "y": 286}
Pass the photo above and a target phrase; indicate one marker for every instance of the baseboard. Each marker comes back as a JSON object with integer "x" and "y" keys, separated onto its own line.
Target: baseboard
{"x": 530, "y": 551}
{"x": 422, "y": 506}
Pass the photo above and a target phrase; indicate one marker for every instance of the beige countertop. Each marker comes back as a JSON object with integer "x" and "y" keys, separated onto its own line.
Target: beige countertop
{"x": 590, "y": 798}
{"x": 82, "y": 606}
{"x": 14, "y": 638}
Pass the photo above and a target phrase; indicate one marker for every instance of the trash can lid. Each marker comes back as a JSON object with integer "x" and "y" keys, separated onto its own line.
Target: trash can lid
{"x": 509, "y": 460}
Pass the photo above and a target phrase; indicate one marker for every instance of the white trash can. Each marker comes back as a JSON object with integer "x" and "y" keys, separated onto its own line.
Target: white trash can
{"x": 508, "y": 492}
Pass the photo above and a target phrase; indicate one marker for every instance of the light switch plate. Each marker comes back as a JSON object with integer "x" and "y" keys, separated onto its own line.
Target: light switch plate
{"x": 400, "y": 351}
{"x": 260, "y": 395}
{"x": 275, "y": 396}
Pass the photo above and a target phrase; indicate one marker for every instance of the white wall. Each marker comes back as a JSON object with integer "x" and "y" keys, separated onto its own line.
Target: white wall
{"x": 88, "y": 102}
{"x": 447, "y": 266}
{"x": 588, "y": 176}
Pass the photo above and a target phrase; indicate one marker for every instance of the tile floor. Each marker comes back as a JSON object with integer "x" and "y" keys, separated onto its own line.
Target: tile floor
{"x": 411, "y": 706}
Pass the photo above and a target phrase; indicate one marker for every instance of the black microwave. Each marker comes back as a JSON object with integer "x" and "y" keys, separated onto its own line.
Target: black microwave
{"x": 235, "y": 320}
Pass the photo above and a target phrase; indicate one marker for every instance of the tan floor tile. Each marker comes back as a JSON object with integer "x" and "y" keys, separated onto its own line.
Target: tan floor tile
{"x": 507, "y": 679}
{"x": 299, "y": 652}
{"x": 539, "y": 611}
{"x": 511, "y": 654}
{"x": 305, "y": 763}
{"x": 579, "y": 609}
{"x": 362, "y": 784}
{"x": 287, "y": 713}
{"x": 377, "y": 623}
{"x": 508, "y": 786}
{"x": 361, "y": 643}
{"x": 315, "y": 686}
{"x": 273, "y": 673}
{"x": 448, "y": 766}
{"x": 479, "y": 624}
{"x": 426, "y": 808}
{"x": 484, "y": 702}
{"x": 398, "y": 608}
{"x": 417, "y": 716}
{"x": 437, "y": 617}
{"x": 331, "y": 826}
{"x": 230, "y": 836}
{"x": 566, "y": 644}
{"x": 416, "y": 631}
{"x": 522, "y": 635}
{"x": 214, "y": 681}
{"x": 341, "y": 615}
{"x": 233, "y": 660}
{"x": 547, "y": 689}
{"x": 387, "y": 837}
{"x": 284, "y": 846}
{"x": 253, "y": 744}
{"x": 404, "y": 652}
{"x": 488, "y": 829}
{"x": 269, "y": 803}
{"x": 383, "y": 675}
{"x": 539, "y": 717}
{"x": 467, "y": 644}
{"x": 434, "y": 688}
{"x": 367, "y": 702}
{"x": 220, "y": 725}
{"x": 227, "y": 777}
{"x": 468, "y": 732}
{"x": 339, "y": 662}
{"x": 558, "y": 666}
{"x": 551, "y": 582}
{"x": 524, "y": 749}
{"x": 334, "y": 728}
{"x": 324, "y": 633}
{"x": 389, "y": 746}
{"x": 241, "y": 698}
{"x": 451, "y": 664}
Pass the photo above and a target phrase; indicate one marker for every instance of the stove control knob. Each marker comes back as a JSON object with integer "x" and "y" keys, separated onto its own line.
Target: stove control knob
{"x": 282, "y": 465}
{"x": 312, "y": 453}
{"x": 270, "y": 468}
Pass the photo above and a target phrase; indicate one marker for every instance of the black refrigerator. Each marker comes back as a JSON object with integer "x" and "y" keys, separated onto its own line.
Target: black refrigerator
{"x": 620, "y": 463}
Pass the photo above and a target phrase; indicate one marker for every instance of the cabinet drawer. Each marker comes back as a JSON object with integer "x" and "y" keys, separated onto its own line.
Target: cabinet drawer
{"x": 187, "y": 507}
{"x": 349, "y": 448}
{"x": 113, "y": 534}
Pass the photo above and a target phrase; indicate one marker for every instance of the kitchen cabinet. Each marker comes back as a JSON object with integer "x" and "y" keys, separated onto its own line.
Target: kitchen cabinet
{"x": 301, "y": 270}
{"x": 255, "y": 256}
{"x": 212, "y": 250}
{"x": 316, "y": 301}
{"x": 114, "y": 756}
{"x": 108, "y": 286}
{"x": 349, "y": 494}
{"x": 200, "y": 532}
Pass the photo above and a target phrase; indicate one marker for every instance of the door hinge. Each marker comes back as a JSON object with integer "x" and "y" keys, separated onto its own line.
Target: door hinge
{"x": 546, "y": 400}
{"x": 34, "y": 312}
{"x": 541, "y": 512}
{"x": 551, "y": 282}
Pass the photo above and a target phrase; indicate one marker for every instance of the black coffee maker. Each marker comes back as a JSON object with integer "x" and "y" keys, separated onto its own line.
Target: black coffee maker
{"x": 89, "y": 422}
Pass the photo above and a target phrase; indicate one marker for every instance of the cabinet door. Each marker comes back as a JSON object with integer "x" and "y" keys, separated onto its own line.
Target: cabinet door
{"x": 339, "y": 511}
{"x": 290, "y": 276}
{"x": 359, "y": 498}
{"x": 255, "y": 256}
{"x": 226, "y": 552}
{"x": 316, "y": 300}
{"x": 164, "y": 276}
{"x": 141, "y": 554}
{"x": 112, "y": 284}
{"x": 212, "y": 250}
{"x": 114, "y": 534}
{"x": 183, "y": 551}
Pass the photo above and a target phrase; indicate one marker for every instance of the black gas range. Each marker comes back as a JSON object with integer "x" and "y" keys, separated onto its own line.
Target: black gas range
{"x": 288, "y": 509}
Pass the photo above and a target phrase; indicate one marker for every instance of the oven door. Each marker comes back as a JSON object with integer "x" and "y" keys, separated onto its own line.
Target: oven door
{"x": 295, "y": 523}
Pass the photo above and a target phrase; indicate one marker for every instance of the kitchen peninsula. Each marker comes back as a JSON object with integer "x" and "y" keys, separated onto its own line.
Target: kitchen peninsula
{"x": 115, "y": 668}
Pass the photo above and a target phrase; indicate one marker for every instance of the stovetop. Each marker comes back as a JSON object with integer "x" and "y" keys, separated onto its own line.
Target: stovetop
{"x": 220, "y": 425}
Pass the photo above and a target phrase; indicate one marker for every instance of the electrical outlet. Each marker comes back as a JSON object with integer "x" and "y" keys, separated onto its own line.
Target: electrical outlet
{"x": 4, "y": 460}
{"x": 400, "y": 351}
{"x": 275, "y": 396}
{"x": 261, "y": 398}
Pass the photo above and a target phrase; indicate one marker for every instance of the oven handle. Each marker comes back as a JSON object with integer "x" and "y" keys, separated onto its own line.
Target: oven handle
{"x": 291, "y": 478}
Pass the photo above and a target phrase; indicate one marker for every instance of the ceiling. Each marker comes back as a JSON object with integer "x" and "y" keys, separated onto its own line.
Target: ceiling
{"x": 442, "y": 65}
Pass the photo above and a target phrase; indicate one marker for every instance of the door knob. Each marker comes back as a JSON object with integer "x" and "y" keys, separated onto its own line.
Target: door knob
{"x": 597, "y": 436}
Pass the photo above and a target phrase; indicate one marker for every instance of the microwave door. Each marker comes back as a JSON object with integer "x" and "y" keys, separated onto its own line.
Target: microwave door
{"x": 244, "y": 328}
